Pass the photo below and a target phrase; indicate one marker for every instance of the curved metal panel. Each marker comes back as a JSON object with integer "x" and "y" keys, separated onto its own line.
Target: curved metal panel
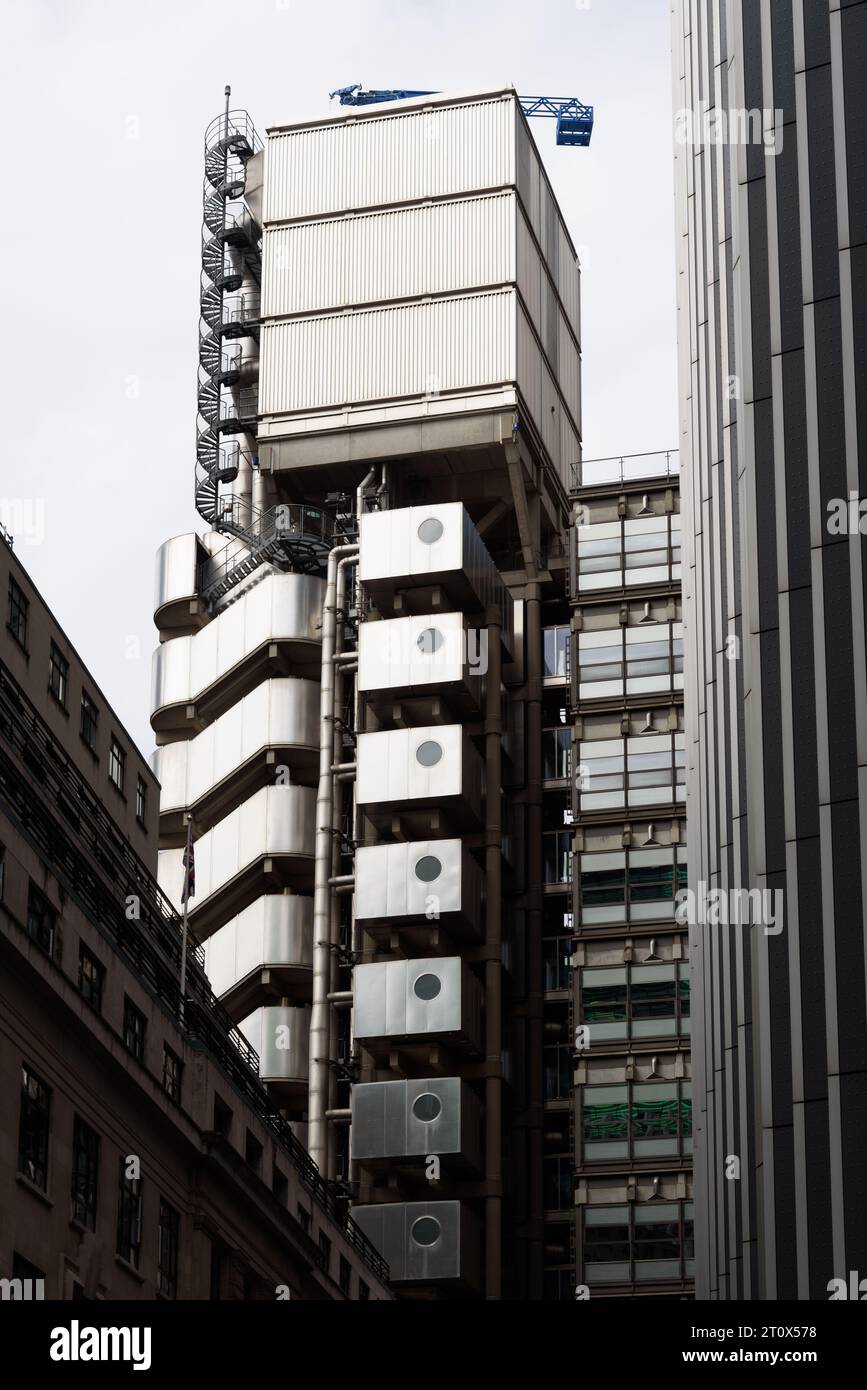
{"x": 279, "y": 713}
{"x": 280, "y": 1035}
{"x": 275, "y": 930}
{"x": 283, "y": 607}
{"x": 176, "y": 570}
{"x": 274, "y": 821}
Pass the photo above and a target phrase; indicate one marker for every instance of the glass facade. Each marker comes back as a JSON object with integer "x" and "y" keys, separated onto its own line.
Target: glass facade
{"x": 649, "y": 770}
{"x": 648, "y": 1119}
{"x": 635, "y": 1001}
{"x": 635, "y": 885}
{"x": 620, "y": 662}
{"x": 636, "y": 551}
{"x": 638, "y": 1242}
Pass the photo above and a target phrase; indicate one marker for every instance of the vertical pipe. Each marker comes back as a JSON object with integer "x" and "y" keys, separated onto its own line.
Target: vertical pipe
{"x": 493, "y": 960}
{"x": 319, "y": 1069}
{"x": 535, "y": 999}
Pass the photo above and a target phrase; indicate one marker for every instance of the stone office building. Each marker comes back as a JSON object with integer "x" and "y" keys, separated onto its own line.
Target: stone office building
{"x": 139, "y": 1158}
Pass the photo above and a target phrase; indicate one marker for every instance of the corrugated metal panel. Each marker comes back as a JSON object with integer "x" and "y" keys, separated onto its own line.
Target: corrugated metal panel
{"x": 433, "y": 249}
{"x": 371, "y": 161}
{"x": 529, "y": 271}
{"x": 548, "y": 413}
{"x": 528, "y": 174}
{"x": 568, "y": 374}
{"x": 377, "y": 354}
{"x": 569, "y": 283}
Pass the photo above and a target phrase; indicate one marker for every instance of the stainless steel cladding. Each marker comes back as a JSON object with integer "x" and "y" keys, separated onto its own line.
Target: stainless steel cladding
{"x": 176, "y": 565}
{"x": 281, "y": 713}
{"x": 279, "y": 1033}
{"x": 275, "y": 932}
{"x": 435, "y": 766}
{"x": 411, "y": 1119}
{"x": 276, "y": 822}
{"x": 423, "y": 880}
{"x": 411, "y": 654}
{"x": 399, "y": 253}
{"x": 282, "y": 608}
{"x": 397, "y": 154}
{"x": 413, "y": 349}
{"x": 425, "y": 1242}
{"x": 432, "y": 545}
{"x": 415, "y": 999}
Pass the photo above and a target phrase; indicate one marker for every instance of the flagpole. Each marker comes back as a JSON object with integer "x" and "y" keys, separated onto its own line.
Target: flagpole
{"x": 184, "y": 929}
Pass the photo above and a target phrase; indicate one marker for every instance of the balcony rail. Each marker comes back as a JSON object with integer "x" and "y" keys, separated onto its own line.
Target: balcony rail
{"x": 625, "y": 468}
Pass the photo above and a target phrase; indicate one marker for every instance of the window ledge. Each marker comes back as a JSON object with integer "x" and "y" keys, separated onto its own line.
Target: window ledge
{"x": 33, "y": 1188}
{"x": 130, "y": 1269}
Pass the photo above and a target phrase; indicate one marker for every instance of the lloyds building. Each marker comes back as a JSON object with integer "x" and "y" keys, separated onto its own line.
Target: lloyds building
{"x": 772, "y": 305}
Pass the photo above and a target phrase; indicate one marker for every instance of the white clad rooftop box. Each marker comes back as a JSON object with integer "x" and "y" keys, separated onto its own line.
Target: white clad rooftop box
{"x": 416, "y": 267}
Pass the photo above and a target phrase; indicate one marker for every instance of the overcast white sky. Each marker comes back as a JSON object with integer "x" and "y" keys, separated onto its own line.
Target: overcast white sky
{"x": 104, "y": 103}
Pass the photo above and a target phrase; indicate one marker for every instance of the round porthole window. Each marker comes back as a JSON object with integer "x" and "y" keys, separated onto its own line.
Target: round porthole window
{"x": 430, "y": 530}
{"x": 429, "y": 641}
{"x": 426, "y": 1107}
{"x": 428, "y": 868}
{"x": 428, "y": 753}
{"x": 427, "y": 986}
{"x": 426, "y": 1230}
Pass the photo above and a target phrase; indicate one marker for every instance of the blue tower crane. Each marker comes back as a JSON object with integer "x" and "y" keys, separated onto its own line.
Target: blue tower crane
{"x": 574, "y": 119}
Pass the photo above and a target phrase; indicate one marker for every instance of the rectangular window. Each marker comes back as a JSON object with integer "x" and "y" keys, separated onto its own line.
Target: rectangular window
{"x": 556, "y": 754}
{"x": 134, "y": 1024}
{"x": 557, "y": 963}
{"x": 280, "y": 1186}
{"x": 41, "y": 920}
{"x": 556, "y": 653}
{"x": 141, "y": 800}
{"x": 89, "y": 720}
{"x": 172, "y": 1072}
{"x": 91, "y": 977}
{"x": 85, "y": 1173}
{"x": 117, "y": 764}
{"x": 557, "y": 1181}
{"x": 557, "y": 856}
{"x": 216, "y": 1279}
{"x": 58, "y": 675}
{"x": 169, "y": 1239}
{"x": 33, "y": 1128}
{"x": 636, "y": 1001}
{"x": 304, "y": 1219}
{"x": 129, "y": 1216}
{"x": 557, "y": 1064}
{"x": 363, "y": 1291}
{"x": 253, "y": 1152}
{"x": 345, "y": 1275}
{"x": 639, "y": 1120}
{"x": 2, "y": 871}
{"x": 639, "y": 1242}
{"x": 325, "y": 1252}
{"x": 19, "y": 613}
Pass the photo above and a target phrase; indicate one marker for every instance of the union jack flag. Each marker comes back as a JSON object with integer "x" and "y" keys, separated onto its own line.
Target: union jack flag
{"x": 189, "y": 889}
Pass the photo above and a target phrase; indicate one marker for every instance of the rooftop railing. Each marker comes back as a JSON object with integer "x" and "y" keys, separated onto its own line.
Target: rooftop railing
{"x": 625, "y": 468}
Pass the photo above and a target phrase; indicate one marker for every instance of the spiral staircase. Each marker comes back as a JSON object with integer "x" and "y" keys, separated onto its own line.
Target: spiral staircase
{"x": 231, "y": 264}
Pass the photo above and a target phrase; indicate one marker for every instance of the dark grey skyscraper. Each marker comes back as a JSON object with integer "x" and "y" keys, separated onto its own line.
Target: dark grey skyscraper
{"x": 772, "y": 223}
